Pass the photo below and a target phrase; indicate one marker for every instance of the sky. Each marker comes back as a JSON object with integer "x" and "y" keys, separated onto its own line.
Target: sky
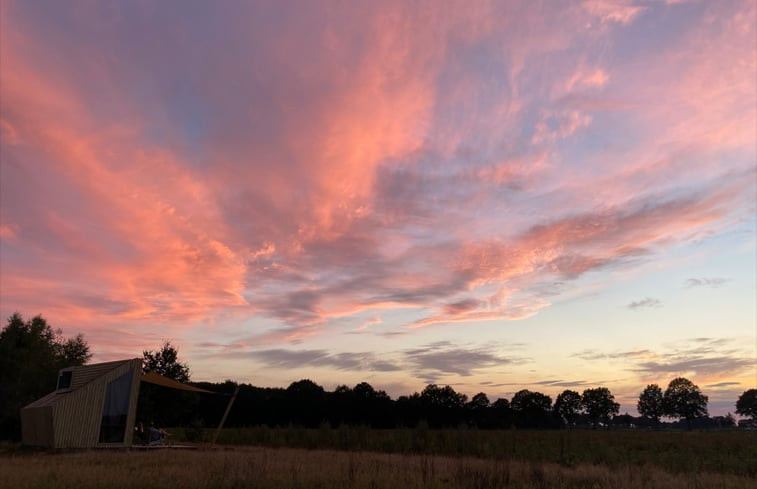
{"x": 494, "y": 195}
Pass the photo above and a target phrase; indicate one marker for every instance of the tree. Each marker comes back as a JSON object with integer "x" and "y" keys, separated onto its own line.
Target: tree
{"x": 599, "y": 405}
{"x": 445, "y": 397}
{"x": 370, "y": 406}
{"x": 568, "y": 406}
{"x": 650, "y": 403}
{"x": 684, "y": 400}
{"x": 161, "y": 405}
{"x": 502, "y": 413}
{"x": 165, "y": 362}
{"x": 442, "y": 406}
{"x": 479, "y": 401}
{"x": 305, "y": 403}
{"x": 479, "y": 413}
{"x": 746, "y": 405}
{"x": 531, "y": 409}
{"x": 31, "y": 353}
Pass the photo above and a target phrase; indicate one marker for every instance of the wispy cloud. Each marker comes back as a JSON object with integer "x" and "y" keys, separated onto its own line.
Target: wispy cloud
{"x": 681, "y": 363}
{"x": 647, "y": 302}
{"x": 444, "y": 358}
{"x": 705, "y": 358}
{"x": 596, "y": 355}
{"x": 723, "y": 384}
{"x": 563, "y": 383}
{"x": 712, "y": 282}
{"x": 283, "y": 358}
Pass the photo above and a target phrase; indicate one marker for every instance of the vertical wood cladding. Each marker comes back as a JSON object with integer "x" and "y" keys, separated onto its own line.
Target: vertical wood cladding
{"x": 72, "y": 419}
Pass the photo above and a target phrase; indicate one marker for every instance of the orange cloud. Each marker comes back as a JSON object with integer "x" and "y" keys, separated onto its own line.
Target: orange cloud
{"x": 309, "y": 166}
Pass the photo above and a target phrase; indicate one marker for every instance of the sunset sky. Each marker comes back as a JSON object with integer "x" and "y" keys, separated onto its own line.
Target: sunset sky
{"x": 491, "y": 195}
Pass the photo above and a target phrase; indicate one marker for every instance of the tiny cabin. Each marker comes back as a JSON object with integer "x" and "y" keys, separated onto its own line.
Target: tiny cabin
{"x": 92, "y": 406}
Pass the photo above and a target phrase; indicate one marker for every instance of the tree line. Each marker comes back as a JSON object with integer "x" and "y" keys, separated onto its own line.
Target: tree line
{"x": 304, "y": 403}
{"x": 31, "y": 353}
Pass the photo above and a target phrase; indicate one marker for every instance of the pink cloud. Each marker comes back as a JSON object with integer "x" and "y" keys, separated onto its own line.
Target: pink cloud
{"x": 621, "y": 11}
{"x": 310, "y": 167}
{"x": 553, "y": 127}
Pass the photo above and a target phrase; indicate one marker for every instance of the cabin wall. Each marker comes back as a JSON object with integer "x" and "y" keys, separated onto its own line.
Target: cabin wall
{"x": 78, "y": 416}
{"x": 37, "y": 426}
{"x": 132, "y": 417}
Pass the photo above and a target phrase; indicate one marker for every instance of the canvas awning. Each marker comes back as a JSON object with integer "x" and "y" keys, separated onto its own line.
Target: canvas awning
{"x": 158, "y": 379}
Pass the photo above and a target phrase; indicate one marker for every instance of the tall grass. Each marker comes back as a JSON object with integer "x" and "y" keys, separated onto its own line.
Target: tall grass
{"x": 269, "y": 468}
{"x": 733, "y": 452}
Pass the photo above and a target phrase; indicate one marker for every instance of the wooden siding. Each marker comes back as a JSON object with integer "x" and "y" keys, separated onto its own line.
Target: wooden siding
{"x": 78, "y": 414}
{"x": 87, "y": 373}
{"x": 37, "y": 426}
{"x": 134, "y": 396}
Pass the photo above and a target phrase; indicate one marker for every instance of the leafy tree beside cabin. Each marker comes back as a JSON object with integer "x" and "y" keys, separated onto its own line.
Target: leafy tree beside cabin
{"x": 165, "y": 361}
{"x": 31, "y": 354}
{"x": 161, "y": 405}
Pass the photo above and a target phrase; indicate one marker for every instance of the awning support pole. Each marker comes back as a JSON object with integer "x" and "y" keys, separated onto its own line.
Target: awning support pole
{"x": 225, "y": 414}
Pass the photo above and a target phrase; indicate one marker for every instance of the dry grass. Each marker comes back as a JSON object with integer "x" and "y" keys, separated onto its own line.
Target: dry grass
{"x": 296, "y": 468}
{"x": 722, "y": 452}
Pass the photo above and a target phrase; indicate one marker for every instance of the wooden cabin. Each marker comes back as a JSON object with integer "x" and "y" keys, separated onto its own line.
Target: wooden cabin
{"x": 93, "y": 406}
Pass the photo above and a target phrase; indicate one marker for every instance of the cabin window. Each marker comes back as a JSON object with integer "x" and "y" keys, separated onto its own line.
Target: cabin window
{"x": 116, "y": 410}
{"x": 64, "y": 379}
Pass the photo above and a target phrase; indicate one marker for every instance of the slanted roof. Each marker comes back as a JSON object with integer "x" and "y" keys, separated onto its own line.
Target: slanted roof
{"x": 87, "y": 373}
{"x": 81, "y": 376}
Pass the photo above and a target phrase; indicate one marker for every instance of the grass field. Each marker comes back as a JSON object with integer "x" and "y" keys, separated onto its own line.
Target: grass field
{"x": 733, "y": 452}
{"x": 443, "y": 459}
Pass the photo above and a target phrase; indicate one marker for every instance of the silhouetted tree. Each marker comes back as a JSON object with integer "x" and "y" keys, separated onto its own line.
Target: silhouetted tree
{"x": 531, "y": 409}
{"x": 651, "y": 405}
{"x": 568, "y": 406}
{"x": 479, "y": 412}
{"x": 746, "y": 405}
{"x": 165, "y": 362}
{"x": 369, "y": 406}
{"x": 305, "y": 403}
{"x": 599, "y": 405}
{"x": 502, "y": 413}
{"x": 433, "y": 395}
{"x": 442, "y": 405}
{"x": 727, "y": 421}
{"x": 161, "y": 405}
{"x": 409, "y": 410}
{"x": 684, "y": 400}
{"x": 341, "y": 406}
{"x": 479, "y": 401}
{"x": 31, "y": 353}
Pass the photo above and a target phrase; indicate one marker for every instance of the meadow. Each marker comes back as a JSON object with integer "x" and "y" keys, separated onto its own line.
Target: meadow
{"x": 363, "y": 458}
{"x": 721, "y": 451}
